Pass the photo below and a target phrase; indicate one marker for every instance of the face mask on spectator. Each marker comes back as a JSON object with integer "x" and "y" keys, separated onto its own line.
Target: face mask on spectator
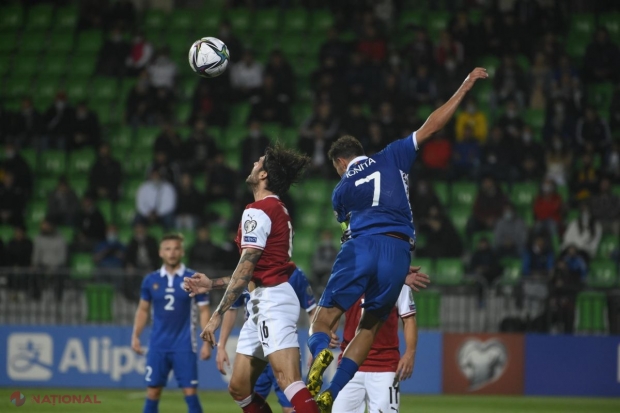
{"x": 527, "y": 137}
{"x": 508, "y": 214}
{"x": 111, "y": 237}
{"x": 546, "y": 188}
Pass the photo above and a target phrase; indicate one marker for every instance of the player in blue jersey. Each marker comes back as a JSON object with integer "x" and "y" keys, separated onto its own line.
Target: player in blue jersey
{"x": 372, "y": 202}
{"x": 266, "y": 380}
{"x": 172, "y": 343}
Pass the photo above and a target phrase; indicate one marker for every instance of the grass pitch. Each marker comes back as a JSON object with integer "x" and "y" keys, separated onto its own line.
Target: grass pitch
{"x": 127, "y": 401}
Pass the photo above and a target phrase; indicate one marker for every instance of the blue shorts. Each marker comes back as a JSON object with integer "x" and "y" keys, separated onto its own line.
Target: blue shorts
{"x": 264, "y": 383}
{"x": 159, "y": 364}
{"x": 374, "y": 266}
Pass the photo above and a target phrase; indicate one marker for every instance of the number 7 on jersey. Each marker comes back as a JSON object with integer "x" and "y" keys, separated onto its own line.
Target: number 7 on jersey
{"x": 375, "y": 176}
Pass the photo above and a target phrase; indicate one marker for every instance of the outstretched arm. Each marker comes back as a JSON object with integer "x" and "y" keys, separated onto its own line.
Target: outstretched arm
{"x": 227, "y": 325}
{"x": 442, "y": 115}
{"x": 405, "y": 365}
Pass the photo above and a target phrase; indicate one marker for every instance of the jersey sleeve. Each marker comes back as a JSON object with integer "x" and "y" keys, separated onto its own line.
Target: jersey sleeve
{"x": 339, "y": 210}
{"x": 202, "y": 299}
{"x": 145, "y": 290}
{"x": 405, "y": 303}
{"x": 239, "y": 303}
{"x": 304, "y": 292}
{"x": 403, "y": 152}
{"x": 255, "y": 228}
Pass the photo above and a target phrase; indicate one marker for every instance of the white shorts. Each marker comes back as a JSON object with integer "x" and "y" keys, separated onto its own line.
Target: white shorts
{"x": 272, "y": 324}
{"x": 368, "y": 389}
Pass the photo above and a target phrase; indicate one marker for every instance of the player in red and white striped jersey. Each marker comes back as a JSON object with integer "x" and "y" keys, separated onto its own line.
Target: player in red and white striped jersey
{"x": 376, "y": 384}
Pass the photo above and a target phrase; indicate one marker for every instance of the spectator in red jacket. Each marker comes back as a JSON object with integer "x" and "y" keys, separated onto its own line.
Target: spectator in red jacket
{"x": 548, "y": 209}
{"x": 371, "y": 45}
{"x": 436, "y": 156}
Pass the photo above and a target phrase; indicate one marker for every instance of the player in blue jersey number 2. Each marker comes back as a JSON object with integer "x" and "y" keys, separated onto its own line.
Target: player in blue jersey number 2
{"x": 172, "y": 344}
{"x": 372, "y": 200}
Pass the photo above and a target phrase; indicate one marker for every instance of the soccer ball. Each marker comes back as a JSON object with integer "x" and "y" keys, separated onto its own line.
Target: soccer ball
{"x": 208, "y": 57}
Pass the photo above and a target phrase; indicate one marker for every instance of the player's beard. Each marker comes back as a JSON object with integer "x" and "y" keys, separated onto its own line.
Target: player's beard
{"x": 172, "y": 262}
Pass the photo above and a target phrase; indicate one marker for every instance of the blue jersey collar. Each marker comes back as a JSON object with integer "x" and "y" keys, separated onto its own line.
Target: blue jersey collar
{"x": 179, "y": 272}
{"x": 355, "y": 160}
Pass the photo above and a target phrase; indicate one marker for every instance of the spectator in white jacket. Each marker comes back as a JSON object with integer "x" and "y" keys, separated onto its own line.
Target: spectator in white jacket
{"x": 246, "y": 76}
{"x": 584, "y": 233}
{"x": 156, "y": 201}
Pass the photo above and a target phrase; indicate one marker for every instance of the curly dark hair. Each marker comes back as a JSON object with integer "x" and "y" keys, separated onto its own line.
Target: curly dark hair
{"x": 284, "y": 168}
{"x": 345, "y": 147}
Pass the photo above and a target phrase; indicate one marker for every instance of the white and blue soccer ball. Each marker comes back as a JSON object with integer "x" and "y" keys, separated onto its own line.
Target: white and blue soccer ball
{"x": 208, "y": 57}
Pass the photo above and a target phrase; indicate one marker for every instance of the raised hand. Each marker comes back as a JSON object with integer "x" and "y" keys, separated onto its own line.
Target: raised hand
{"x": 197, "y": 284}
{"x": 477, "y": 73}
{"x": 417, "y": 280}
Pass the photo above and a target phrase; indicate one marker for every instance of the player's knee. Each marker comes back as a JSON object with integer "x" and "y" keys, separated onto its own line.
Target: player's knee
{"x": 237, "y": 390}
{"x": 153, "y": 393}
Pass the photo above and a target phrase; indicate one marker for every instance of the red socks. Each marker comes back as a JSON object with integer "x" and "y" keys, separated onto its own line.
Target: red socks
{"x": 255, "y": 404}
{"x": 303, "y": 402}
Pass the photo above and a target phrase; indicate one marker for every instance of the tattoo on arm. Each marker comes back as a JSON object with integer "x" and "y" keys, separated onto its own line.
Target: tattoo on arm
{"x": 220, "y": 282}
{"x": 240, "y": 278}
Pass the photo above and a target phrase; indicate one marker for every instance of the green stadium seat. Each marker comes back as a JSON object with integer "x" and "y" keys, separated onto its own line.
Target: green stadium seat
{"x": 449, "y": 271}
{"x": 79, "y": 184}
{"x": 310, "y": 217}
{"x": 61, "y": 43}
{"x": 267, "y": 20}
{"x": 235, "y": 134}
{"x": 137, "y": 164}
{"x": 411, "y": 18}
{"x": 89, "y": 41}
{"x": 33, "y": 42}
{"x": 130, "y": 189}
{"x": 210, "y": 19}
{"x": 102, "y": 109}
{"x": 534, "y": 118}
{"x": 524, "y": 62}
{"x": 611, "y": 21}
{"x": 8, "y": 42}
{"x": 523, "y": 195}
{"x": 155, "y": 20}
{"x": 6, "y": 233}
{"x": 105, "y": 89}
{"x": 122, "y": 138}
{"x": 240, "y": 113}
{"x": 511, "y": 274}
{"x": 183, "y": 112}
{"x": 295, "y": 21}
{"x": 314, "y": 191}
{"x": 81, "y": 66}
{"x": 608, "y": 244}
{"x": 292, "y": 45}
{"x": 460, "y": 215}
{"x": 443, "y": 192}
{"x": 99, "y": 302}
{"x": 82, "y": 266}
{"x": 106, "y": 209}
{"x": 219, "y": 234}
{"x": 463, "y": 193}
{"x": 600, "y": 95}
{"x": 591, "y": 314}
{"x": 125, "y": 212}
{"x": 36, "y": 212}
{"x": 428, "y": 306}
{"x": 66, "y": 18}
{"x": 188, "y": 87}
{"x": 80, "y": 162}
{"x": 436, "y": 22}
{"x": 583, "y": 24}
{"x": 222, "y": 208}
{"x": 603, "y": 273}
{"x": 424, "y": 111}
{"x": 52, "y": 163}
{"x": 11, "y": 18}
{"x": 77, "y": 90}
{"x": 55, "y": 66}
{"x": 476, "y": 237}
{"x": 125, "y": 233}
{"x": 27, "y": 66}
{"x": 181, "y": 20}
{"x": 304, "y": 242}
{"x": 427, "y": 265}
{"x": 156, "y": 232}
{"x": 239, "y": 19}
{"x": 30, "y": 156}
{"x": 67, "y": 233}
{"x": 322, "y": 20}
{"x": 146, "y": 137}
{"x": 43, "y": 186}
{"x": 289, "y": 137}
{"x": 576, "y": 46}
{"x": 40, "y": 17}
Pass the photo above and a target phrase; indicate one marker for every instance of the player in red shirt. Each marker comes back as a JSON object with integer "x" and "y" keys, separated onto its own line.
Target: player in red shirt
{"x": 375, "y": 384}
{"x": 265, "y": 239}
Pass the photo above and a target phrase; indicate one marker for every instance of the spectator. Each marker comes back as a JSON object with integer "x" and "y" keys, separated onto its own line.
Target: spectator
{"x": 90, "y": 221}
{"x": 564, "y": 287}
{"x": 140, "y": 54}
{"x": 82, "y": 244}
{"x": 605, "y": 207}
{"x": 509, "y": 80}
{"x": 113, "y": 53}
{"x": 190, "y": 204}
{"x": 324, "y": 115}
{"x": 63, "y": 204}
{"x": 142, "y": 254}
{"x": 162, "y": 70}
{"x": 49, "y": 254}
{"x": 253, "y": 146}
{"x": 109, "y": 253}
{"x": 270, "y": 106}
{"x": 105, "y": 176}
{"x": 593, "y": 132}
{"x": 156, "y": 201}
{"x": 614, "y": 109}
{"x": 511, "y": 122}
{"x": 475, "y": 119}
{"x": 575, "y": 263}
{"x": 26, "y": 127}
{"x": 422, "y": 198}
{"x": 548, "y": 209}
{"x": 530, "y": 156}
{"x": 498, "y": 159}
{"x": 436, "y": 156}
{"x": 378, "y": 141}
{"x": 449, "y": 54}
{"x": 612, "y": 163}
{"x": 12, "y": 201}
{"x": 466, "y": 156}
{"x": 355, "y": 123}
{"x": 510, "y": 234}
{"x": 390, "y": 127}
{"x": 222, "y": 180}
{"x": 540, "y": 72}
{"x": 18, "y": 255}
{"x": 163, "y": 104}
{"x": 168, "y": 171}
{"x": 210, "y": 105}
{"x": 488, "y": 207}
{"x": 316, "y": 148}
{"x": 59, "y": 120}
{"x": 584, "y": 181}
{"x": 204, "y": 255}
{"x": 484, "y": 263}
{"x": 559, "y": 121}
{"x": 122, "y": 13}
{"x": 231, "y": 41}
{"x": 322, "y": 260}
{"x": 461, "y": 28}
{"x": 199, "y": 149}
{"x": 371, "y": 45}
{"x": 442, "y": 240}
{"x": 169, "y": 142}
{"x": 15, "y": 163}
{"x": 602, "y": 59}
{"x": 420, "y": 51}
{"x": 282, "y": 75}
{"x": 246, "y": 76}
{"x": 86, "y": 129}
{"x": 140, "y": 103}
{"x": 558, "y": 159}
{"x": 334, "y": 48}
{"x": 538, "y": 97}
{"x": 423, "y": 87}
{"x": 569, "y": 90}
{"x": 538, "y": 260}
{"x": 358, "y": 78}
{"x": 584, "y": 233}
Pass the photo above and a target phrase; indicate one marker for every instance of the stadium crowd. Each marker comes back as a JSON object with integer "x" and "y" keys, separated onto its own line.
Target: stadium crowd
{"x": 535, "y": 152}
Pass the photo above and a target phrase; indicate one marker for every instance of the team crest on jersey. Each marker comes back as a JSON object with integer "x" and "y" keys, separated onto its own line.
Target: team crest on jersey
{"x": 155, "y": 286}
{"x": 249, "y": 225}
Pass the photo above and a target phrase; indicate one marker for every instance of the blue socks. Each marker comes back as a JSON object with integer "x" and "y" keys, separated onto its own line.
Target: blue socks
{"x": 345, "y": 372}
{"x": 151, "y": 406}
{"x": 317, "y": 342}
{"x": 193, "y": 404}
